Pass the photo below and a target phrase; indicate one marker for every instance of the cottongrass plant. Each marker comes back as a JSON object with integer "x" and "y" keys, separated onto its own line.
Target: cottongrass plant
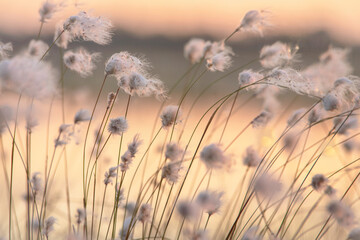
{"x": 299, "y": 170}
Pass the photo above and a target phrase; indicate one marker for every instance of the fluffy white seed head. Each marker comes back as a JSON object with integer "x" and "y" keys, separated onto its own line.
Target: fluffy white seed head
{"x": 342, "y": 213}
{"x": 81, "y": 61}
{"x": 295, "y": 116}
{"x": 194, "y": 50}
{"x": 65, "y": 134}
{"x": 267, "y": 186}
{"x": 171, "y": 172}
{"x": 28, "y": 76}
{"x": 133, "y": 146}
{"x": 331, "y": 102}
{"x": 5, "y": 49}
{"x": 262, "y": 119}
{"x": 173, "y": 152}
{"x": 110, "y": 174}
{"x": 169, "y": 114}
{"x": 123, "y": 63}
{"x": 117, "y": 125}
{"x": 314, "y": 115}
{"x": 210, "y": 201}
{"x": 145, "y": 213}
{"x": 354, "y": 234}
{"x": 251, "y": 157}
{"x": 48, "y": 9}
{"x": 319, "y": 182}
{"x": 48, "y": 226}
{"x": 188, "y": 210}
{"x": 82, "y": 115}
{"x": 88, "y": 28}
{"x": 247, "y": 77}
{"x": 343, "y": 127}
{"x": 219, "y": 62}
{"x": 126, "y": 160}
{"x": 62, "y": 37}
{"x": 214, "y": 157}
{"x": 36, "y": 48}
{"x": 36, "y": 183}
{"x": 277, "y": 55}
{"x": 254, "y": 21}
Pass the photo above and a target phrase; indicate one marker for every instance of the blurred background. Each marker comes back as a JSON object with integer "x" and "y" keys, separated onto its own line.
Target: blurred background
{"x": 159, "y": 29}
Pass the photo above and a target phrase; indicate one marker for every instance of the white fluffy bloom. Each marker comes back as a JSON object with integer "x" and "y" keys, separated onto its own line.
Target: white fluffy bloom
{"x": 342, "y": 127}
{"x": 213, "y": 157}
{"x": 171, "y": 172}
{"x": 111, "y": 173}
{"x": 81, "y": 61}
{"x": 194, "y": 50}
{"x": 48, "y": 226}
{"x": 145, "y": 213}
{"x": 354, "y": 234}
{"x": 331, "y": 102}
{"x": 89, "y": 28}
{"x": 36, "y": 183}
{"x": 255, "y": 21}
{"x": 168, "y": 115}
{"x": 293, "y": 80}
{"x": 333, "y": 64}
{"x": 247, "y": 77}
{"x": 126, "y": 160}
{"x": 5, "y": 48}
{"x": 262, "y": 119}
{"x": 314, "y": 115}
{"x": 82, "y": 115}
{"x": 63, "y": 37}
{"x": 319, "y": 182}
{"x": 28, "y": 76}
{"x": 188, "y": 210}
{"x": 117, "y": 125}
{"x": 267, "y": 186}
{"x": 210, "y": 201}
{"x": 48, "y": 9}
{"x": 277, "y": 55}
{"x": 295, "y": 116}
{"x": 341, "y": 212}
{"x": 133, "y": 146}
{"x": 65, "y": 134}
{"x": 132, "y": 76}
{"x": 173, "y": 152}
{"x": 36, "y": 48}
{"x": 219, "y": 62}
{"x": 251, "y": 158}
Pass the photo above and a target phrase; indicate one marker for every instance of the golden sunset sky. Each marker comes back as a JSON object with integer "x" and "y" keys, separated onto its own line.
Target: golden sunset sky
{"x": 173, "y": 18}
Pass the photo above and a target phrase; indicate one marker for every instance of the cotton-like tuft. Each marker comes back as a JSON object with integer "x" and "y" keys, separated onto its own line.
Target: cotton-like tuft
{"x": 133, "y": 146}
{"x": 277, "y": 55}
{"x": 262, "y": 119}
{"x": 251, "y": 157}
{"x": 188, "y": 210}
{"x": 88, "y": 28}
{"x": 171, "y": 172}
{"x": 110, "y": 174}
{"x": 173, "y": 152}
{"x": 331, "y": 102}
{"x": 5, "y": 49}
{"x": 219, "y": 62}
{"x": 145, "y": 213}
{"x": 36, "y": 48}
{"x": 82, "y": 115}
{"x": 319, "y": 182}
{"x": 28, "y": 76}
{"x": 342, "y": 213}
{"x": 117, "y": 125}
{"x": 48, "y": 226}
{"x": 194, "y": 50}
{"x": 210, "y": 201}
{"x": 81, "y": 61}
{"x": 254, "y": 21}
{"x": 267, "y": 186}
{"x": 214, "y": 157}
{"x": 247, "y": 77}
{"x": 169, "y": 114}
{"x": 62, "y": 37}
{"x": 48, "y": 9}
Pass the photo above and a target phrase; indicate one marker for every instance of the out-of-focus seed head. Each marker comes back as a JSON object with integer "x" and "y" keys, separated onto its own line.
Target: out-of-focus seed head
{"x": 267, "y": 186}
{"x": 254, "y": 21}
{"x": 214, "y": 157}
{"x": 262, "y": 119}
{"x": 247, "y": 77}
{"x": 194, "y": 50}
{"x": 36, "y": 48}
{"x": 295, "y": 116}
{"x": 342, "y": 213}
{"x": 331, "y": 102}
{"x": 82, "y": 115}
{"x": 81, "y": 61}
{"x": 277, "y": 55}
{"x": 145, "y": 213}
{"x": 251, "y": 157}
{"x": 171, "y": 172}
{"x": 319, "y": 182}
{"x": 188, "y": 210}
{"x": 173, "y": 152}
{"x": 5, "y": 49}
{"x": 354, "y": 234}
{"x": 210, "y": 201}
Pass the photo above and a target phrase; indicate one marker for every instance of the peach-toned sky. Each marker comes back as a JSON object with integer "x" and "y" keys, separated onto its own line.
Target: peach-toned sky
{"x": 193, "y": 17}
